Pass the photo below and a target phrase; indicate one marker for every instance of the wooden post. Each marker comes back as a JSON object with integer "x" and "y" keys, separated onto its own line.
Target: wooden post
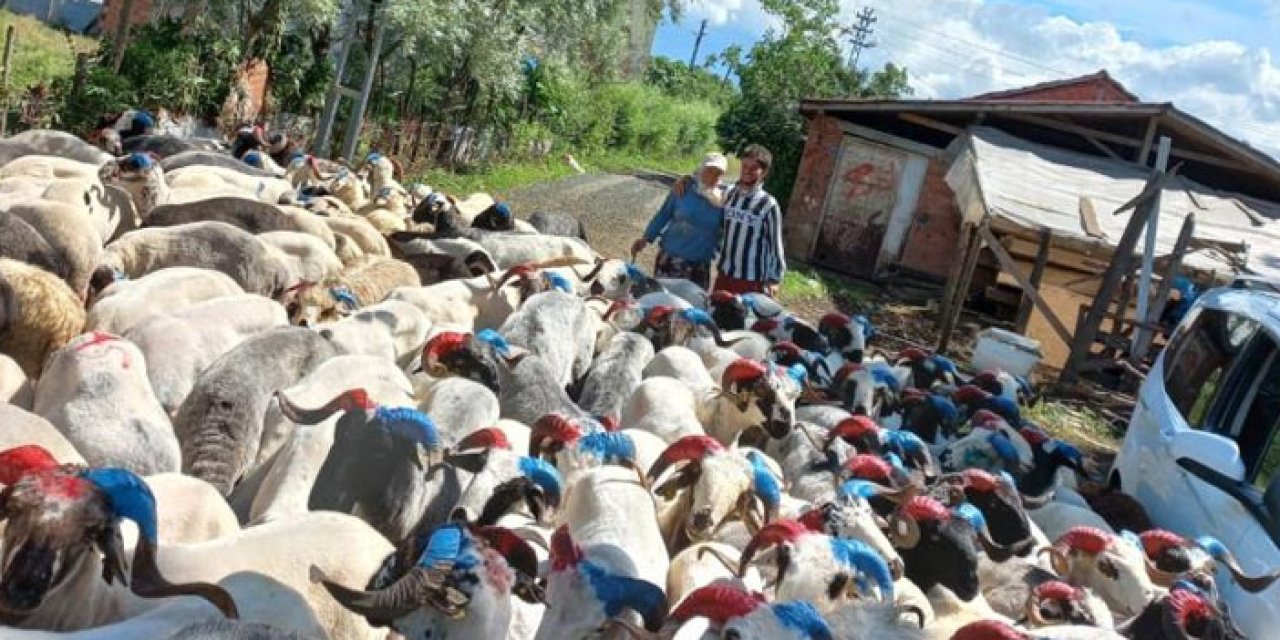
{"x": 1009, "y": 266}
{"x": 953, "y": 278}
{"x": 956, "y": 306}
{"x": 10, "y": 35}
{"x": 122, "y": 33}
{"x": 1144, "y": 207}
{"x": 1149, "y": 247}
{"x": 1145, "y": 336}
{"x": 1037, "y": 272}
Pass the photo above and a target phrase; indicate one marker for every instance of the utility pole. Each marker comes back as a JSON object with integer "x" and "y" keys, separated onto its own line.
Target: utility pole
{"x": 862, "y": 31}
{"x": 697, "y": 44}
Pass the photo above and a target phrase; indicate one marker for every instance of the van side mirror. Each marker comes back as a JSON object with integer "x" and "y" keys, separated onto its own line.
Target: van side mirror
{"x": 1211, "y": 450}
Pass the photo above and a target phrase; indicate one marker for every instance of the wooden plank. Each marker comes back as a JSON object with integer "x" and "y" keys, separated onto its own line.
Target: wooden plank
{"x": 953, "y": 276}
{"x": 1195, "y": 156}
{"x": 1037, "y": 274}
{"x": 1063, "y": 259}
{"x": 890, "y": 140}
{"x": 1089, "y": 219}
{"x": 1088, "y": 330}
{"x": 10, "y": 35}
{"x": 932, "y": 124}
{"x": 957, "y": 296}
{"x": 1107, "y": 151}
{"x": 1144, "y": 154}
{"x": 1009, "y": 266}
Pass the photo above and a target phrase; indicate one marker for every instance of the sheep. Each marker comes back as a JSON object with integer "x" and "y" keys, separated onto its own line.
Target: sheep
{"x": 282, "y": 485}
{"x": 482, "y": 568}
{"x": 392, "y": 330}
{"x": 95, "y": 391}
{"x": 700, "y": 565}
{"x": 249, "y": 215}
{"x": 558, "y": 327}
{"x": 615, "y": 374}
{"x": 732, "y": 612}
{"x": 510, "y": 250}
{"x": 22, "y": 427}
{"x": 47, "y": 142}
{"x": 48, "y": 168}
{"x": 528, "y": 386}
{"x": 458, "y": 407}
{"x": 607, "y": 557}
{"x": 166, "y": 145}
{"x": 1056, "y": 517}
{"x": 211, "y": 159}
{"x": 471, "y": 304}
{"x": 38, "y": 314}
{"x": 77, "y": 598}
{"x": 558, "y": 224}
{"x": 15, "y": 388}
{"x": 21, "y": 241}
{"x": 360, "y": 232}
{"x": 750, "y": 394}
{"x": 71, "y": 235}
{"x": 110, "y": 207}
{"x": 309, "y": 259}
{"x": 220, "y": 423}
{"x": 367, "y": 282}
{"x": 213, "y": 245}
{"x": 178, "y": 346}
{"x": 1114, "y": 568}
{"x": 126, "y": 302}
{"x": 465, "y": 258}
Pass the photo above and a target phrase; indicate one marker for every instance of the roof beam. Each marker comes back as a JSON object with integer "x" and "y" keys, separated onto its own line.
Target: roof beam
{"x": 1149, "y": 139}
{"x": 1135, "y": 143}
{"x": 890, "y": 140}
{"x": 1104, "y": 148}
{"x": 932, "y": 124}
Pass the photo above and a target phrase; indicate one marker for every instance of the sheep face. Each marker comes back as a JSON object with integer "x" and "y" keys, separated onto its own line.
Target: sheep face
{"x": 762, "y": 394}
{"x": 60, "y": 517}
{"x": 612, "y": 280}
{"x": 1114, "y": 569}
{"x": 717, "y": 493}
{"x": 139, "y": 175}
{"x": 310, "y": 304}
{"x": 937, "y": 548}
{"x": 462, "y": 355}
{"x": 852, "y": 518}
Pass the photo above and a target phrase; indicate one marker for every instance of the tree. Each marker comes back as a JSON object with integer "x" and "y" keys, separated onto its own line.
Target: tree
{"x": 801, "y": 59}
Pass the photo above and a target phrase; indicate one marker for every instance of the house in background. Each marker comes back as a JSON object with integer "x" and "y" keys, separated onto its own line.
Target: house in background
{"x": 876, "y": 192}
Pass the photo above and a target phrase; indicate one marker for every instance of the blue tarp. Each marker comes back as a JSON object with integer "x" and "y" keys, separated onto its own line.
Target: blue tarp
{"x": 76, "y": 15}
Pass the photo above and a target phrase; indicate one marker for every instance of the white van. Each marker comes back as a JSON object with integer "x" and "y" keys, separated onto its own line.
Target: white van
{"x": 1202, "y": 452}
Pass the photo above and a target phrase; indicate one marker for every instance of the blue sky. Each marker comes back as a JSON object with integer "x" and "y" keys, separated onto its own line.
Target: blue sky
{"x": 1216, "y": 59}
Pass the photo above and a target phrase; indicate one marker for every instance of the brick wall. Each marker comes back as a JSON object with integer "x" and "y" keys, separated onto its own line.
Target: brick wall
{"x": 1096, "y": 91}
{"x": 821, "y": 152}
{"x": 111, "y": 9}
{"x": 245, "y": 101}
{"x": 930, "y": 246}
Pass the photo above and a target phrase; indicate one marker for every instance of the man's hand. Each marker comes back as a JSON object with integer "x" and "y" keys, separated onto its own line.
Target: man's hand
{"x": 637, "y": 247}
{"x": 771, "y": 290}
{"x": 680, "y": 186}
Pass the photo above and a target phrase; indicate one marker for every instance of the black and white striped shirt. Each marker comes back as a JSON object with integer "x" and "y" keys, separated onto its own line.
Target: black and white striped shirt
{"x": 751, "y": 247}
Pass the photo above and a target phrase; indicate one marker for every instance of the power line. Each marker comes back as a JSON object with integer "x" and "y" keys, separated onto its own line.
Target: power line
{"x": 901, "y": 21}
{"x": 861, "y": 32}
{"x": 958, "y": 54}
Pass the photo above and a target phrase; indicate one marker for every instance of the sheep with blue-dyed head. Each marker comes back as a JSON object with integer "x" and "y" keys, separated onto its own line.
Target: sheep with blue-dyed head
{"x": 460, "y": 354}
{"x": 993, "y": 445}
{"x": 59, "y": 518}
{"x": 736, "y": 614}
{"x": 997, "y": 497}
{"x": 460, "y": 585}
{"x": 847, "y": 336}
{"x": 712, "y": 485}
{"x": 850, "y": 516}
{"x": 574, "y": 445}
{"x": 928, "y": 369}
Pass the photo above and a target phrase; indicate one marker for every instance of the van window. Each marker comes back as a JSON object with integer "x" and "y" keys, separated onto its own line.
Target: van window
{"x": 1199, "y": 358}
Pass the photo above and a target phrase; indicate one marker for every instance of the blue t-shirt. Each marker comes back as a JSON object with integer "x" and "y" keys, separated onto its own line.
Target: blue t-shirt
{"x": 689, "y": 226}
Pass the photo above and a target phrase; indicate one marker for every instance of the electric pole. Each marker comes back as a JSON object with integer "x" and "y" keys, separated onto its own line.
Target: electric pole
{"x": 862, "y": 31}
{"x": 697, "y": 44}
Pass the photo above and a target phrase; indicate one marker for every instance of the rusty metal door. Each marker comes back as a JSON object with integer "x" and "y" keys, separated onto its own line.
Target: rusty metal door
{"x": 861, "y": 199}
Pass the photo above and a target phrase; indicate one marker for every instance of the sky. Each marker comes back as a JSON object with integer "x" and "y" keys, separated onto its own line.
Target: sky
{"x": 1215, "y": 59}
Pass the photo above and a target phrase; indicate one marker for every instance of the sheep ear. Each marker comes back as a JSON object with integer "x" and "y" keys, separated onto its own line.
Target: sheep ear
{"x": 469, "y": 462}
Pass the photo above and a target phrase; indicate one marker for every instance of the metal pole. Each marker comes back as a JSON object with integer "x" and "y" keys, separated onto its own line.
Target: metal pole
{"x": 324, "y": 129}
{"x": 10, "y": 35}
{"x": 1149, "y": 251}
{"x": 357, "y": 115}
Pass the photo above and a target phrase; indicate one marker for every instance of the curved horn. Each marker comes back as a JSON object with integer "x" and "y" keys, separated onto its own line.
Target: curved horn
{"x": 349, "y": 400}
{"x": 640, "y": 596}
{"x": 742, "y": 370}
{"x": 552, "y": 429}
{"x": 439, "y": 345}
{"x": 383, "y": 605}
{"x": 485, "y": 438}
{"x": 775, "y": 532}
{"x": 1220, "y": 553}
{"x": 861, "y": 557}
{"x": 1084, "y": 539}
{"x": 730, "y": 564}
{"x": 688, "y": 448}
{"x": 718, "y": 602}
{"x": 1180, "y": 608}
{"x": 19, "y": 461}
{"x": 545, "y": 476}
{"x": 147, "y": 582}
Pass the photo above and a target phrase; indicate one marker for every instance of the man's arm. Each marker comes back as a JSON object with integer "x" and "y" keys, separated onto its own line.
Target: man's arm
{"x": 660, "y": 220}
{"x": 777, "y": 266}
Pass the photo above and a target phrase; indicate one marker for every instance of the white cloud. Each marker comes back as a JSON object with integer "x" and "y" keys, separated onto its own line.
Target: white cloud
{"x": 958, "y": 48}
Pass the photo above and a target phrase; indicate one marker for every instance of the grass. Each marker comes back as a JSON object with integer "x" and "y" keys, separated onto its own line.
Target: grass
{"x": 41, "y": 53}
{"x": 1076, "y": 424}
{"x": 505, "y": 176}
{"x": 806, "y": 284}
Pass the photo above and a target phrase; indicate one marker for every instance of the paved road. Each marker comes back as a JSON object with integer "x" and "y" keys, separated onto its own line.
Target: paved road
{"x": 614, "y": 207}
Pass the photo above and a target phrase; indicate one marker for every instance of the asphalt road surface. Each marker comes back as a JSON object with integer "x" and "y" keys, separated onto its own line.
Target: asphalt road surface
{"x": 615, "y": 208}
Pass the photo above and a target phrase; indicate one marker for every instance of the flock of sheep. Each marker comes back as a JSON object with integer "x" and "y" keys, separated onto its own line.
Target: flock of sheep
{"x": 270, "y": 397}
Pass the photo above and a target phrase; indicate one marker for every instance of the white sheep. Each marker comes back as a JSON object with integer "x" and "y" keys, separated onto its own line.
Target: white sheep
{"x": 308, "y": 257}
{"x": 22, "y": 427}
{"x": 15, "y": 388}
{"x": 392, "y": 329}
{"x": 95, "y": 391}
{"x": 164, "y": 291}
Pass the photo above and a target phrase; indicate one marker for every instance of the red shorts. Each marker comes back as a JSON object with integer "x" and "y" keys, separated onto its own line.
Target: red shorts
{"x": 734, "y": 285}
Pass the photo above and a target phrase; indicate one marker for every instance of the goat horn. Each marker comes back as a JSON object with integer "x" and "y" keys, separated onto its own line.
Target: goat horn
{"x": 349, "y": 400}
{"x": 382, "y": 605}
{"x": 1252, "y": 584}
{"x": 688, "y": 448}
{"x": 718, "y": 602}
{"x": 147, "y": 582}
{"x": 730, "y": 564}
{"x": 551, "y": 428}
{"x": 773, "y": 533}
{"x": 595, "y": 270}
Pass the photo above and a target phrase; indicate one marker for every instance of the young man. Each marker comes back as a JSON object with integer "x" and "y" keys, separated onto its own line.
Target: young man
{"x": 751, "y": 255}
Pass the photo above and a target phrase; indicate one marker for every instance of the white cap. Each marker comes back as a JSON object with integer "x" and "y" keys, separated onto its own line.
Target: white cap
{"x": 715, "y": 160}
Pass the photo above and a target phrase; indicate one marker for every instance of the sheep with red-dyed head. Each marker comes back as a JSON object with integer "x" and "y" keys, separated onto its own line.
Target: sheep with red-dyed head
{"x": 710, "y": 486}
{"x": 1186, "y": 612}
{"x": 1170, "y": 556}
{"x": 733, "y": 613}
{"x": 1112, "y": 567}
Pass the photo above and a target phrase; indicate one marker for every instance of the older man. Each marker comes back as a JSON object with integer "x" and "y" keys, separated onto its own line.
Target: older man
{"x": 689, "y": 224}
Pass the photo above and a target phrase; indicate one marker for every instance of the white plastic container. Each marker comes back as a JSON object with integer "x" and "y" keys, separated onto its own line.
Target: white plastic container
{"x": 1007, "y": 351}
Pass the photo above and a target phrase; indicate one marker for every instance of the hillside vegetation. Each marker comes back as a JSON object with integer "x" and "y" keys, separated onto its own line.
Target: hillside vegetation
{"x": 42, "y": 53}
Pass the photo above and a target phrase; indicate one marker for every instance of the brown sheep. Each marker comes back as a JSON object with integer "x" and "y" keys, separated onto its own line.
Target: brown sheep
{"x": 1119, "y": 509}
{"x": 39, "y": 314}
{"x": 366, "y": 282}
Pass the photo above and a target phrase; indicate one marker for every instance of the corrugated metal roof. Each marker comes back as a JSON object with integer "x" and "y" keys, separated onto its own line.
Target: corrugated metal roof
{"x": 1038, "y": 186}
